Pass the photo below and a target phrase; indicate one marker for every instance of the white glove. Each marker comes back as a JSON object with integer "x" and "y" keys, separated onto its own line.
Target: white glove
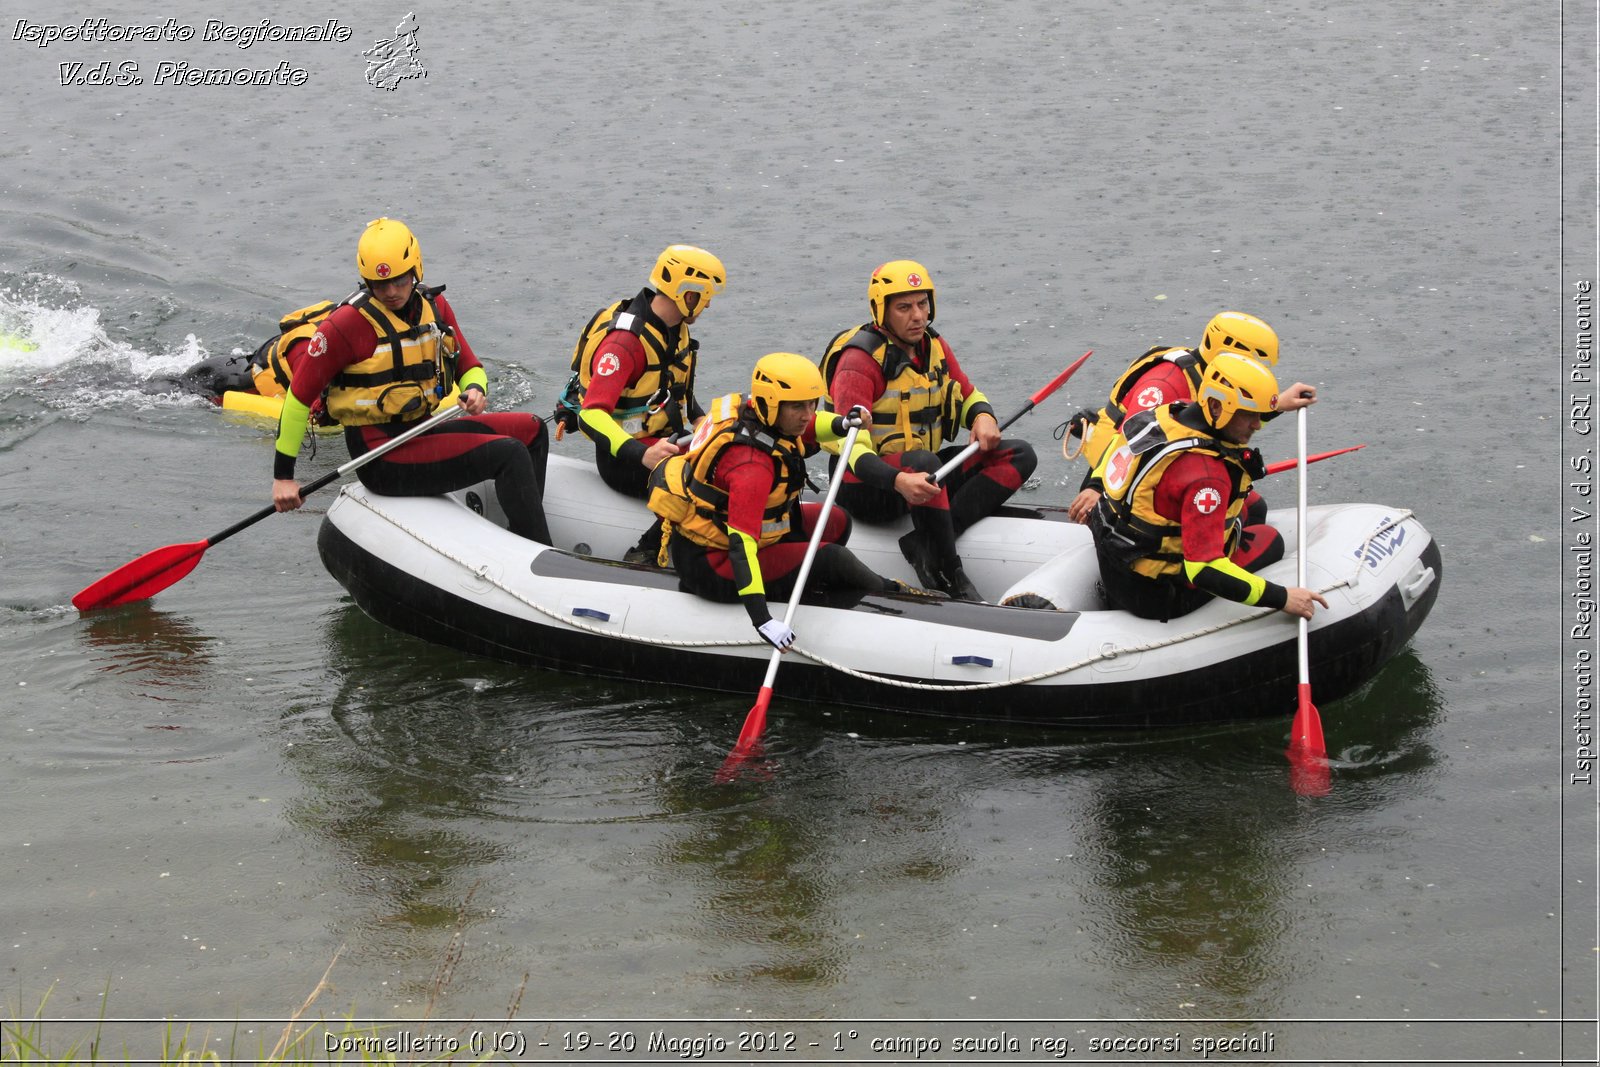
{"x": 853, "y": 419}
{"x": 776, "y": 634}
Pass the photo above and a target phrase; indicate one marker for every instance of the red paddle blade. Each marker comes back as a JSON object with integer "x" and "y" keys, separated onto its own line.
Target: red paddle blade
{"x": 1308, "y": 753}
{"x": 755, "y": 722}
{"x": 1310, "y": 778}
{"x": 143, "y": 577}
{"x": 1060, "y": 380}
{"x": 749, "y": 744}
{"x": 738, "y": 762}
{"x": 750, "y": 764}
{"x": 1306, "y": 733}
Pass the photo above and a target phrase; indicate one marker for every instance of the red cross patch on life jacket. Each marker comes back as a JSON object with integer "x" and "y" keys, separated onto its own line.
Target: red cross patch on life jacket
{"x": 1117, "y": 467}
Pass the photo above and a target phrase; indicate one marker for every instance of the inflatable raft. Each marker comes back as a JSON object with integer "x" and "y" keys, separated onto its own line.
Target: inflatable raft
{"x": 445, "y": 569}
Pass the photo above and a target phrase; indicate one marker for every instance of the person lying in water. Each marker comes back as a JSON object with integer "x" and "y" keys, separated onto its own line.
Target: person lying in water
{"x": 269, "y": 370}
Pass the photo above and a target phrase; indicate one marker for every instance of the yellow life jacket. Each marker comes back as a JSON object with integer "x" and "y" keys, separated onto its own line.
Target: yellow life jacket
{"x": 918, "y": 408}
{"x": 1132, "y": 530}
{"x": 683, "y": 492}
{"x": 654, "y": 404}
{"x": 269, "y": 365}
{"x": 410, "y": 370}
{"x": 1103, "y": 428}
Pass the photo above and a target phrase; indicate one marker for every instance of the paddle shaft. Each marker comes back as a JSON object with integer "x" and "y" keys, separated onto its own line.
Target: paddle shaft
{"x": 811, "y": 552}
{"x": 360, "y": 461}
{"x": 755, "y": 722}
{"x": 1060, "y": 380}
{"x": 158, "y": 569}
{"x": 1287, "y": 464}
{"x": 1308, "y": 752}
{"x": 1300, "y": 550}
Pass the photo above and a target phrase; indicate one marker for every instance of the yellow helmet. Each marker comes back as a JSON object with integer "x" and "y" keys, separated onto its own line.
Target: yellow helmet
{"x": 1234, "y": 331}
{"x": 685, "y": 269}
{"x": 1238, "y": 383}
{"x": 782, "y": 376}
{"x": 895, "y": 277}
{"x": 388, "y": 249}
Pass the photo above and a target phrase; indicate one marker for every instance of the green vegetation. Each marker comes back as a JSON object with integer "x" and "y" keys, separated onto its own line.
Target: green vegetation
{"x": 27, "y": 1039}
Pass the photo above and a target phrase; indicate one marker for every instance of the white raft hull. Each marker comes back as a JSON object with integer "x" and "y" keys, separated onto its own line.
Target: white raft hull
{"x": 435, "y": 568}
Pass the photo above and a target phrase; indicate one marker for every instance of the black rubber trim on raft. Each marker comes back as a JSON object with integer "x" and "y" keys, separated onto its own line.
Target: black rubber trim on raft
{"x": 1261, "y": 684}
{"x": 1039, "y": 625}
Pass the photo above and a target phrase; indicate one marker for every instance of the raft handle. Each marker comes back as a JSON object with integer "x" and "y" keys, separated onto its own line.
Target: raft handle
{"x": 592, "y": 613}
{"x": 1412, "y": 590}
{"x": 969, "y": 661}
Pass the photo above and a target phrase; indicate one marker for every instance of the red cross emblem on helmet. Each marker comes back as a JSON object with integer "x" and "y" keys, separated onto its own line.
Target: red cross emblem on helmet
{"x": 913, "y": 280}
{"x": 1207, "y": 500}
{"x": 381, "y": 270}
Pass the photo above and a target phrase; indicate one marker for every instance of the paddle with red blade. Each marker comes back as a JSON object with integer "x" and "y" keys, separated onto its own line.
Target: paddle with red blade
{"x": 1293, "y": 464}
{"x": 1308, "y": 754}
{"x": 756, "y": 721}
{"x": 1033, "y": 401}
{"x": 163, "y": 567}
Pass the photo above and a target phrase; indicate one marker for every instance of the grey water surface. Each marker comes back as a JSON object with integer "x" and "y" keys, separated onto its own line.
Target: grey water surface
{"x": 209, "y": 795}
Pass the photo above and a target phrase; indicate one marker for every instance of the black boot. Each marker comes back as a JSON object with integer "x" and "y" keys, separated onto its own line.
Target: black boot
{"x": 959, "y": 586}
{"x": 932, "y": 552}
{"x": 919, "y": 553}
{"x": 941, "y": 534}
{"x": 647, "y": 549}
{"x": 896, "y": 587}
